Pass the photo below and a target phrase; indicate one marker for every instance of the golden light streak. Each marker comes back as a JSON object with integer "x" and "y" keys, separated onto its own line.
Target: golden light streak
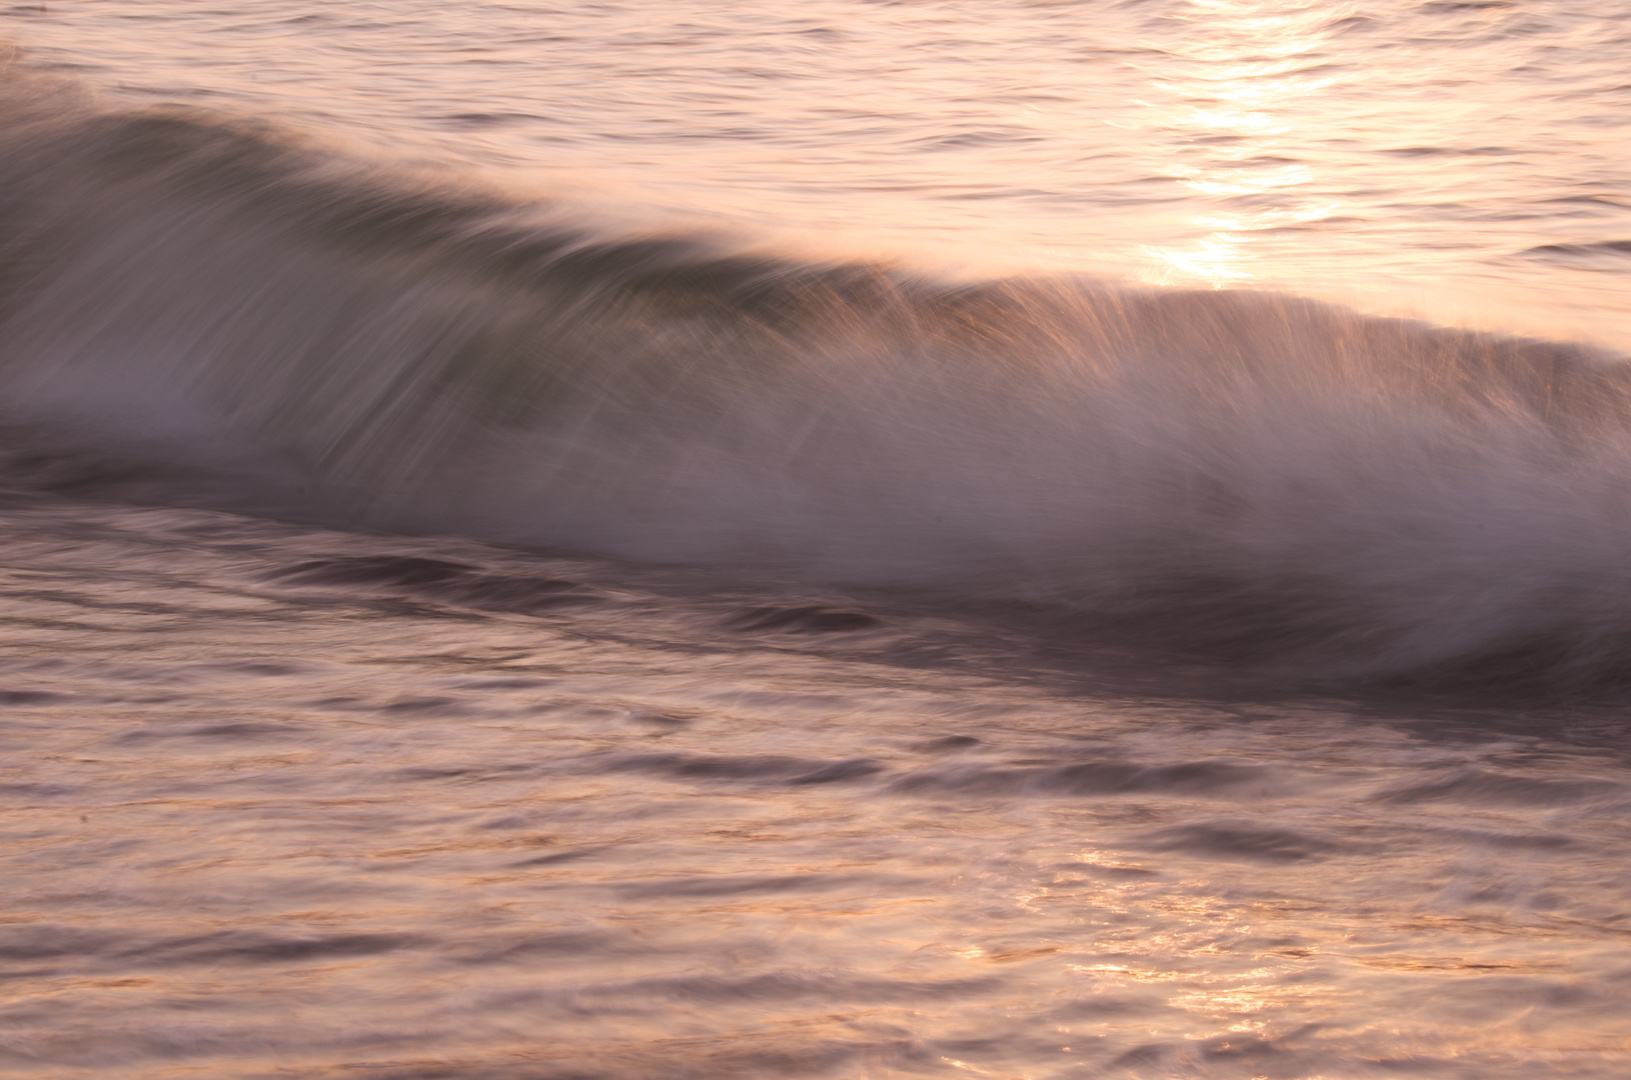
{"x": 1237, "y": 96}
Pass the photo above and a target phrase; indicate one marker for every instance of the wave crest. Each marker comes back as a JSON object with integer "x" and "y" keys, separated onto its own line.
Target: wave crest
{"x": 1373, "y": 497}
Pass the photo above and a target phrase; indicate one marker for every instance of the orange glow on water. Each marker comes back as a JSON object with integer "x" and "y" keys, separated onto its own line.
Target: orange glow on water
{"x": 1233, "y": 100}
{"x": 1466, "y": 167}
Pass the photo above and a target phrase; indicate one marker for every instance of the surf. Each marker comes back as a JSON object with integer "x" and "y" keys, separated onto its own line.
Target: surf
{"x": 1265, "y": 476}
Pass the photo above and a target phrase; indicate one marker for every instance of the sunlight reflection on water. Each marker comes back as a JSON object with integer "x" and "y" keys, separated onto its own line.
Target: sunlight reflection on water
{"x": 1401, "y": 157}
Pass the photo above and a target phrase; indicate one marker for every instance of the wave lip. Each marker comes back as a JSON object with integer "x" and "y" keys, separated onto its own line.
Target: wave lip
{"x": 1605, "y": 255}
{"x": 1280, "y": 480}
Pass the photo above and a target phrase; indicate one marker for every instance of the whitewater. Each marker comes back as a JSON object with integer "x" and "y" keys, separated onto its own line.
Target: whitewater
{"x": 855, "y": 540}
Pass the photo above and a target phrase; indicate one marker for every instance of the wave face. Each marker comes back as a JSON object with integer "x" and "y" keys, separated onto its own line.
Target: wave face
{"x": 1295, "y": 482}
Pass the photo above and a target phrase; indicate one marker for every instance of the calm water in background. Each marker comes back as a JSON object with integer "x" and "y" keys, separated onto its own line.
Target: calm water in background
{"x": 1471, "y": 152}
{"x": 443, "y": 638}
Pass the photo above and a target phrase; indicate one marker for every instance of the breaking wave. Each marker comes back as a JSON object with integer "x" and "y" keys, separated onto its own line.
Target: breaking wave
{"x": 1310, "y": 486}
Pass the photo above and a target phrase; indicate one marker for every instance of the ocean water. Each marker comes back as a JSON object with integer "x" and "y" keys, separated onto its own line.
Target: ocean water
{"x": 850, "y": 539}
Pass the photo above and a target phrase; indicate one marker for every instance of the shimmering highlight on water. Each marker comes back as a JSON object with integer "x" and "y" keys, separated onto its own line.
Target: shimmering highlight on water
{"x": 1462, "y": 161}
